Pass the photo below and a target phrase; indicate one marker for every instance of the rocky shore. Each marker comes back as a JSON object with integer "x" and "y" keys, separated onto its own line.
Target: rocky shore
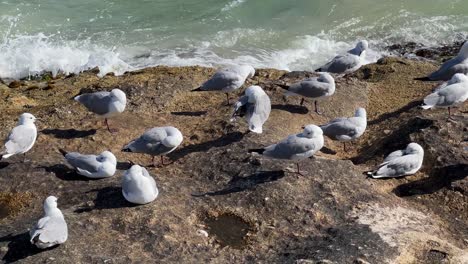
{"x": 219, "y": 204}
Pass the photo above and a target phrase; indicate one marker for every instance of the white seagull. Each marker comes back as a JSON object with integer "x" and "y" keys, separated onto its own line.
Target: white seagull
{"x": 103, "y": 165}
{"x": 21, "y": 138}
{"x": 295, "y": 147}
{"x": 346, "y": 128}
{"x": 104, "y": 104}
{"x": 138, "y": 186}
{"x": 256, "y": 106}
{"x": 349, "y": 62}
{"x": 316, "y": 88}
{"x": 227, "y": 79}
{"x": 449, "y": 94}
{"x": 458, "y": 64}
{"x": 157, "y": 141}
{"x": 51, "y": 229}
{"x": 400, "y": 163}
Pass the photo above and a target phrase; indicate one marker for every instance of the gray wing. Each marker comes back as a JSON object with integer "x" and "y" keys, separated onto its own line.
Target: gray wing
{"x": 258, "y": 113}
{"x": 97, "y": 103}
{"x": 147, "y": 175}
{"x": 84, "y": 162}
{"x": 394, "y": 155}
{"x": 50, "y": 230}
{"x": 19, "y": 139}
{"x": 221, "y": 80}
{"x": 288, "y": 147}
{"x": 398, "y": 166}
{"x": 150, "y": 142}
{"x": 310, "y": 88}
{"x": 446, "y": 71}
{"x": 339, "y": 127}
{"x": 341, "y": 63}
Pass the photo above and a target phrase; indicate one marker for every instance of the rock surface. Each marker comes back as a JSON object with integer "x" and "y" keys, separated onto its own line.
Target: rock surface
{"x": 219, "y": 204}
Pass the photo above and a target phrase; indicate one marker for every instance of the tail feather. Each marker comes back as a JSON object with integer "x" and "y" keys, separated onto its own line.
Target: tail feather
{"x": 126, "y": 149}
{"x": 319, "y": 70}
{"x": 259, "y": 151}
{"x": 76, "y": 98}
{"x": 6, "y": 156}
{"x": 199, "y": 89}
{"x": 64, "y": 153}
{"x": 283, "y": 86}
{"x": 424, "y": 79}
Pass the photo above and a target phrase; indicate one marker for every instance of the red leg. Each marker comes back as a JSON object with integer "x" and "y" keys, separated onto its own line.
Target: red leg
{"x": 299, "y": 170}
{"x": 302, "y": 101}
{"x": 317, "y": 109}
{"x": 227, "y": 99}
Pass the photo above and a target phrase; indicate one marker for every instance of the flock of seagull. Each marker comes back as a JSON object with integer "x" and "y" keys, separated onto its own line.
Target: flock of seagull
{"x": 139, "y": 187}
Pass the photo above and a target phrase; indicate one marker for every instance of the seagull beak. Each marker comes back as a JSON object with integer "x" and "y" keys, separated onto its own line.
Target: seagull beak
{"x": 303, "y": 127}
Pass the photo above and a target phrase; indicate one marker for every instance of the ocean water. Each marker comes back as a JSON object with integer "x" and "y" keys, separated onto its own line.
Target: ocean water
{"x": 120, "y": 35}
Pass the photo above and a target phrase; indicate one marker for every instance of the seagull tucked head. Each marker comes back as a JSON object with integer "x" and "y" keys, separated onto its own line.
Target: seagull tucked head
{"x": 311, "y": 131}
{"x": 107, "y": 156}
{"x": 26, "y": 118}
{"x": 50, "y": 206}
{"x": 362, "y": 46}
{"x": 326, "y": 77}
{"x": 360, "y": 112}
{"x": 414, "y": 148}
{"x": 253, "y": 92}
{"x": 134, "y": 170}
{"x": 464, "y": 51}
{"x": 174, "y": 137}
{"x": 118, "y": 95}
{"x": 458, "y": 77}
{"x": 249, "y": 70}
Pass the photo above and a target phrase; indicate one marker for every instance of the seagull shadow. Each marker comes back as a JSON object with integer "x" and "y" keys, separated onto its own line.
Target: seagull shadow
{"x": 107, "y": 198}
{"x": 239, "y": 184}
{"x": 438, "y": 179}
{"x": 328, "y": 151}
{"x": 69, "y": 133}
{"x": 19, "y": 247}
{"x": 293, "y": 109}
{"x": 395, "y": 113}
{"x": 4, "y": 165}
{"x": 224, "y": 140}
{"x": 187, "y": 113}
{"x": 65, "y": 173}
{"x": 398, "y": 139}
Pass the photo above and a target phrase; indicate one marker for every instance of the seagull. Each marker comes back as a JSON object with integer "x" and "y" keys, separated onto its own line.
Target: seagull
{"x": 256, "y": 105}
{"x": 157, "y": 141}
{"x": 227, "y": 80}
{"x": 346, "y": 128}
{"x": 51, "y": 229}
{"x": 316, "y": 88}
{"x": 138, "y": 186}
{"x": 104, "y": 104}
{"x": 349, "y": 62}
{"x": 449, "y": 94}
{"x": 295, "y": 147}
{"x": 458, "y": 64}
{"x": 103, "y": 165}
{"x": 21, "y": 138}
{"x": 400, "y": 163}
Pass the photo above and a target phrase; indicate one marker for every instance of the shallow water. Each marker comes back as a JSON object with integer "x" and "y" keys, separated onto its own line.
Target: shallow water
{"x": 118, "y": 35}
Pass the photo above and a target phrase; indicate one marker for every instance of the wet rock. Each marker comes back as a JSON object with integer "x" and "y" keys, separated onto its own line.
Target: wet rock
{"x": 14, "y": 84}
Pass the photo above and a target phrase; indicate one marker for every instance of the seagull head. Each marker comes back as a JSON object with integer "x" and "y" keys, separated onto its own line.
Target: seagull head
{"x": 50, "y": 205}
{"x": 326, "y": 77}
{"x": 311, "y": 131}
{"x": 414, "y": 148}
{"x": 135, "y": 170}
{"x": 27, "y": 118}
{"x": 362, "y": 46}
{"x": 253, "y": 92}
{"x": 118, "y": 95}
{"x": 458, "y": 77}
{"x": 107, "y": 156}
{"x": 249, "y": 70}
{"x": 361, "y": 112}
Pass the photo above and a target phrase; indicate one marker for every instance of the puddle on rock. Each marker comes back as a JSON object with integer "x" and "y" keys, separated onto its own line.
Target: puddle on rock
{"x": 229, "y": 230}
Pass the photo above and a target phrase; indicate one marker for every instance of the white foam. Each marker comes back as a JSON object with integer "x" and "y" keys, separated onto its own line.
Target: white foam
{"x": 24, "y": 56}
{"x": 232, "y": 4}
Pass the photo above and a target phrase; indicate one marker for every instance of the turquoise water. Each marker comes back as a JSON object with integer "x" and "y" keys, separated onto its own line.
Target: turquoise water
{"x": 121, "y": 35}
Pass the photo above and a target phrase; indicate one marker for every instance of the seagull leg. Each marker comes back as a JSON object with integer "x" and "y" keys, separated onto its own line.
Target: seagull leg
{"x": 108, "y": 128}
{"x": 227, "y": 99}
{"x": 316, "y": 108}
{"x": 152, "y": 162}
{"x": 302, "y": 101}
{"x": 24, "y": 157}
{"x": 344, "y": 147}
{"x": 298, "y": 170}
{"x": 162, "y": 161}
